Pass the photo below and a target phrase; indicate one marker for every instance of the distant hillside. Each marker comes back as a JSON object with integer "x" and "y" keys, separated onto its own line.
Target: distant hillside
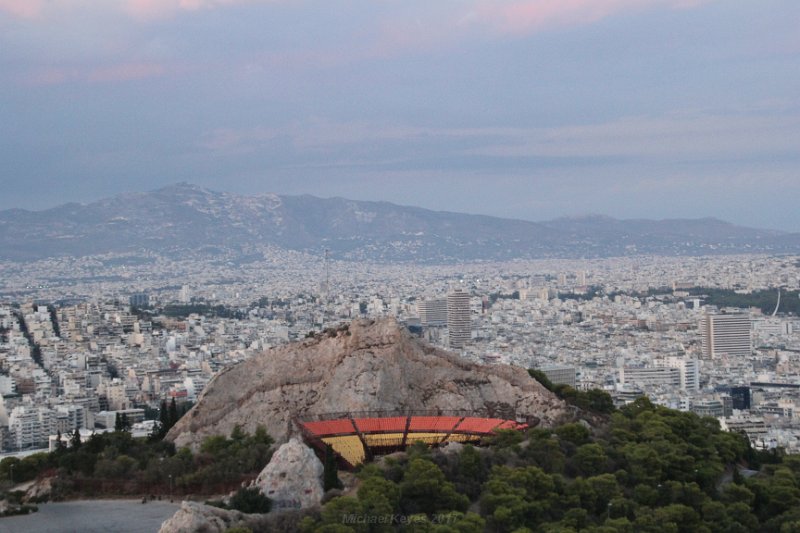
{"x": 188, "y": 221}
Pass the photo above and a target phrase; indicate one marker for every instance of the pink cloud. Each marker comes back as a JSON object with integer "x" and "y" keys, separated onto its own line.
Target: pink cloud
{"x": 150, "y": 9}
{"x": 140, "y": 9}
{"x": 441, "y": 25}
{"x": 525, "y": 16}
{"x": 22, "y": 8}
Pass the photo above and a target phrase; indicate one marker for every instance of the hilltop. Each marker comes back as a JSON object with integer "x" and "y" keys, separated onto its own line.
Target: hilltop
{"x": 366, "y": 366}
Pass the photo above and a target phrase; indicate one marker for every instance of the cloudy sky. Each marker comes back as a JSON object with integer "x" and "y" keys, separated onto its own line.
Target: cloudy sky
{"x": 522, "y": 108}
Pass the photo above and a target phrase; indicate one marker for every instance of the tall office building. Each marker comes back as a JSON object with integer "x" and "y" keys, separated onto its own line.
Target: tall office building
{"x": 139, "y": 299}
{"x": 741, "y": 397}
{"x": 459, "y": 319}
{"x": 432, "y": 312}
{"x": 674, "y": 372}
{"x": 726, "y": 334}
{"x": 560, "y": 375}
{"x": 689, "y": 371}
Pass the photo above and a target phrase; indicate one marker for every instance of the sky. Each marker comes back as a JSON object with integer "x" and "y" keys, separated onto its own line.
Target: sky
{"x": 530, "y": 109}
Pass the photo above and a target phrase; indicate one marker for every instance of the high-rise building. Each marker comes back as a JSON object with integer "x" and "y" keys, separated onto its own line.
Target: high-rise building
{"x": 650, "y": 376}
{"x": 741, "y": 397}
{"x": 689, "y": 371}
{"x": 726, "y": 334}
{"x": 432, "y": 312}
{"x": 459, "y": 319}
{"x": 675, "y": 372}
{"x": 139, "y": 299}
{"x": 560, "y": 375}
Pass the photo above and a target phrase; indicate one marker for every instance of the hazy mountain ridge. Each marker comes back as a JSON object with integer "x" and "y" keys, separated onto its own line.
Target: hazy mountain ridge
{"x": 185, "y": 219}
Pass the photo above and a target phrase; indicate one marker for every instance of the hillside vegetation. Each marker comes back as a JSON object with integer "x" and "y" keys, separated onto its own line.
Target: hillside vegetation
{"x": 117, "y": 464}
{"x": 647, "y": 469}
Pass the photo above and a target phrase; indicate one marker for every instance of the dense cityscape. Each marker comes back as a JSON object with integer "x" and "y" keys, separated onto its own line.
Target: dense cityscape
{"x": 83, "y": 340}
{"x": 366, "y": 267}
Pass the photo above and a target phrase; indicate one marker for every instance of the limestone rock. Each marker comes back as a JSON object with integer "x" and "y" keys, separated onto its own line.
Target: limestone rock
{"x": 452, "y": 448}
{"x": 200, "y": 518}
{"x": 40, "y": 490}
{"x": 370, "y": 366}
{"x": 293, "y": 477}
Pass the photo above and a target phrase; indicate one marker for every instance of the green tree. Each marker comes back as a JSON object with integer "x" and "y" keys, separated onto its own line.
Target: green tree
{"x": 76, "y": 439}
{"x": 163, "y": 419}
{"x": 590, "y": 459}
{"x": 471, "y": 472}
{"x": 340, "y": 511}
{"x": 379, "y": 500}
{"x": 576, "y": 434}
{"x": 173, "y": 413}
{"x": 60, "y": 447}
{"x": 330, "y": 475}
{"x": 542, "y": 378}
{"x": 424, "y": 489}
{"x": 599, "y": 401}
{"x": 250, "y": 500}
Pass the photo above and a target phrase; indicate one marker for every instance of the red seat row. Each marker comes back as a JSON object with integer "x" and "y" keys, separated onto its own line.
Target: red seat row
{"x": 479, "y": 425}
{"x": 433, "y": 423}
{"x": 323, "y": 428}
{"x": 397, "y": 424}
{"x": 394, "y": 424}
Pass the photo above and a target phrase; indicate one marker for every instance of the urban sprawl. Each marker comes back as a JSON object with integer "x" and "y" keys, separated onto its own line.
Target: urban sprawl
{"x": 85, "y": 341}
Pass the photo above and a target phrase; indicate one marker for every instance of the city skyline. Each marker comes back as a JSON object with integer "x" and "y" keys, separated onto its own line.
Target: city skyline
{"x": 527, "y": 109}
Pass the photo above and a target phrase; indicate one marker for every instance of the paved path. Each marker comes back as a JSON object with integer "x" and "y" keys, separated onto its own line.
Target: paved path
{"x": 92, "y": 516}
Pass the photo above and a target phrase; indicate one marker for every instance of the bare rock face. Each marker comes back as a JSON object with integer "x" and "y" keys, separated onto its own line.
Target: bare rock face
{"x": 370, "y": 366}
{"x": 41, "y": 490}
{"x": 201, "y": 518}
{"x": 293, "y": 477}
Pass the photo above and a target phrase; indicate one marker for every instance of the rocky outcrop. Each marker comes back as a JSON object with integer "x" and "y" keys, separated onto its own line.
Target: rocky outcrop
{"x": 369, "y": 366}
{"x": 293, "y": 477}
{"x": 200, "y": 518}
{"x": 40, "y": 490}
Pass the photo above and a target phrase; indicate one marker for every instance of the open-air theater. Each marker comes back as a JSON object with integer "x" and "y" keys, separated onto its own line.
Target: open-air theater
{"x": 357, "y": 437}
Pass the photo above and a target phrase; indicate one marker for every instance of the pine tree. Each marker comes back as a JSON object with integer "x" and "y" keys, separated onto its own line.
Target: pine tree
{"x": 76, "y": 439}
{"x": 59, "y": 443}
{"x": 124, "y": 423}
{"x": 163, "y": 419}
{"x": 330, "y": 474}
{"x": 173, "y": 413}
{"x": 118, "y": 423}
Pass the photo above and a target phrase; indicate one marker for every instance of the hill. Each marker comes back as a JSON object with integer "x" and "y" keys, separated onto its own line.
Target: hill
{"x": 184, "y": 220}
{"x": 366, "y": 367}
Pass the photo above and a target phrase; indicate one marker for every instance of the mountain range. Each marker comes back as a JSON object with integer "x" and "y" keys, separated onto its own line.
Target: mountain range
{"x": 185, "y": 220}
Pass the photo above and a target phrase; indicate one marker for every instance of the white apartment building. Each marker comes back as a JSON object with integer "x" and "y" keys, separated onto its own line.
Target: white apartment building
{"x": 726, "y": 334}
{"x": 30, "y": 427}
{"x": 432, "y": 312}
{"x": 675, "y": 372}
{"x": 459, "y": 319}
